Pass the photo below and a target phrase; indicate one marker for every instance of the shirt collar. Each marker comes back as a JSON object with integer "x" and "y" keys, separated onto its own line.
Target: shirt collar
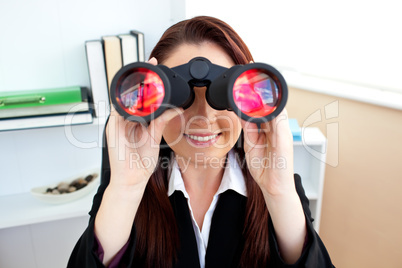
{"x": 232, "y": 179}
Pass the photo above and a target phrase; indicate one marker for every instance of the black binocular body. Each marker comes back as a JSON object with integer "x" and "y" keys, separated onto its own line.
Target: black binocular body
{"x": 256, "y": 92}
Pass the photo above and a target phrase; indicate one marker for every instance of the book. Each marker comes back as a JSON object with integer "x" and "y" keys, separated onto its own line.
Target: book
{"x": 113, "y": 62}
{"x": 15, "y": 104}
{"x": 97, "y": 76}
{"x": 141, "y": 44}
{"x": 45, "y": 108}
{"x": 72, "y": 118}
{"x": 129, "y": 48}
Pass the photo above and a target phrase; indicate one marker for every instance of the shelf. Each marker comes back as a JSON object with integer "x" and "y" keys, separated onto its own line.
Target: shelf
{"x": 51, "y": 121}
{"x": 310, "y": 189}
{"x": 311, "y": 136}
{"x": 23, "y": 209}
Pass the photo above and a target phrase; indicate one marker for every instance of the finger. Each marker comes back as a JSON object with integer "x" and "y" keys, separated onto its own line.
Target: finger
{"x": 118, "y": 128}
{"x": 112, "y": 129}
{"x": 113, "y": 119}
{"x": 251, "y": 133}
{"x": 157, "y": 126}
{"x": 153, "y": 61}
{"x": 272, "y": 125}
{"x": 281, "y": 133}
{"x": 171, "y": 113}
{"x": 249, "y": 126}
{"x": 281, "y": 122}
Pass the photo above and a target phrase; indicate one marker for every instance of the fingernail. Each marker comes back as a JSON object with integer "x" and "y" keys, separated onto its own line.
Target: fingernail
{"x": 153, "y": 59}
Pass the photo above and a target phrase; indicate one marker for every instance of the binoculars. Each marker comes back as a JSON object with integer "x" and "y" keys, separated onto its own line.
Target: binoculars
{"x": 256, "y": 92}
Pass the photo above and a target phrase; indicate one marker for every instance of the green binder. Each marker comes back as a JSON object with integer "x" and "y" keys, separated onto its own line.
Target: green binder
{"x": 43, "y": 102}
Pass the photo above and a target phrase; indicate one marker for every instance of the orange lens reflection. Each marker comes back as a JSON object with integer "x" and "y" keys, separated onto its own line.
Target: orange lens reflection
{"x": 141, "y": 92}
{"x": 255, "y": 93}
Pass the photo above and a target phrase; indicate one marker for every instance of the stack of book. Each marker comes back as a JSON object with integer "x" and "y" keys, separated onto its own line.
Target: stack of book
{"x": 105, "y": 57}
{"x": 45, "y": 108}
{"x": 74, "y": 105}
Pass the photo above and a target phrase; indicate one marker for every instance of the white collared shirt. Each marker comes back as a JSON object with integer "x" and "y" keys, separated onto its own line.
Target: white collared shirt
{"x": 232, "y": 179}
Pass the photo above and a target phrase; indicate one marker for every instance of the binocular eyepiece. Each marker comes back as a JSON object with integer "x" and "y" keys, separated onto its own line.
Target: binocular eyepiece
{"x": 256, "y": 92}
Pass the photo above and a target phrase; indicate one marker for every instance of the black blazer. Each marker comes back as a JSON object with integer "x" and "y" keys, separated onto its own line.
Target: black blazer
{"x": 225, "y": 242}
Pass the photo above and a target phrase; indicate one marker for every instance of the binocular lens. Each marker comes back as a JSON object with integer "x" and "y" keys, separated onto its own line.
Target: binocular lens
{"x": 255, "y": 93}
{"x": 141, "y": 92}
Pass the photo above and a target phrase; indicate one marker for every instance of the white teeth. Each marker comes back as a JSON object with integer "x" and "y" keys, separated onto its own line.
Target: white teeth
{"x": 205, "y": 138}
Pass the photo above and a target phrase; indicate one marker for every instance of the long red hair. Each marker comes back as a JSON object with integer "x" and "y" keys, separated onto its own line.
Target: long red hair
{"x": 157, "y": 234}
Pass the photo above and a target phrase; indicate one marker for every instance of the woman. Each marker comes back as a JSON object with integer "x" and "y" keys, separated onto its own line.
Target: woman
{"x": 212, "y": 204}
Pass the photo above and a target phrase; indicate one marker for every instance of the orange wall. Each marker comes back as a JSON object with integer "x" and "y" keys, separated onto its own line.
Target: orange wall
{"x": 361, "y": 222}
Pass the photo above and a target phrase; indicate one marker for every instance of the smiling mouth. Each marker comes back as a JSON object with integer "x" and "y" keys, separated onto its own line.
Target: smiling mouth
{"x": 202, "y": 138}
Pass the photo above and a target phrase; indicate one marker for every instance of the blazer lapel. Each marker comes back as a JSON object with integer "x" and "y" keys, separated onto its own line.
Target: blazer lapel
{"x": 188, "y": 250}
{"x": 225, "y": 242}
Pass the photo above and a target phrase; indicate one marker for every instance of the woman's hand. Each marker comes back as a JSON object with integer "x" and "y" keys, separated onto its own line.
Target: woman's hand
{"x": 133, "y": 155}
{"x": 269, "y": 154}
{"x": 134, "y": 147}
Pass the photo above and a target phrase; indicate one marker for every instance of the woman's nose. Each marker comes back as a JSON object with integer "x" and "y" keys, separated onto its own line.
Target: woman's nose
{"x": 200, "y": 106}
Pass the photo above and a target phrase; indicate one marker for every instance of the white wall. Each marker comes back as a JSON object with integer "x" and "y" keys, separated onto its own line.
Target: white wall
{"x": 42, "y": 41}
{"x": 353, "y": 46}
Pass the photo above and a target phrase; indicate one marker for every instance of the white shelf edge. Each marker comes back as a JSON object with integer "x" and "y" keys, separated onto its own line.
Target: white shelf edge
{"x": 372, "y": 95}
{"x": 24, "y": 209}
